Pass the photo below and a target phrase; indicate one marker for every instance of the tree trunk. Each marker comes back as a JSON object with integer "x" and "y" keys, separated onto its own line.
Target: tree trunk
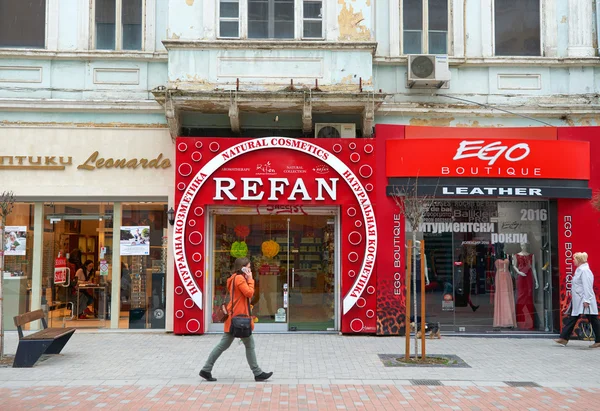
{"x": 414, "y": 286}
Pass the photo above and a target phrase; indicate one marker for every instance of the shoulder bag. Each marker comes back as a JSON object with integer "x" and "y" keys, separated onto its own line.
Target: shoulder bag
{"x": 241, "y": 324}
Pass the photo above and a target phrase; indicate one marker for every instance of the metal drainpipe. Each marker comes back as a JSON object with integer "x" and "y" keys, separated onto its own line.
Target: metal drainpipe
{"x": 598, "y": 26}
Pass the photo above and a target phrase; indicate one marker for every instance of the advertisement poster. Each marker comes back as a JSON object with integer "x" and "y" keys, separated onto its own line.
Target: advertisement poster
{"x": 135, "y": 240}
{"x": 15, "y": 242}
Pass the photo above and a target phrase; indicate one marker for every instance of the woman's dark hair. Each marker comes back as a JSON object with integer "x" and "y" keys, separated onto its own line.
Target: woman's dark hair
{"x": 239, "y": 263}
{"x": 87, "y": 262}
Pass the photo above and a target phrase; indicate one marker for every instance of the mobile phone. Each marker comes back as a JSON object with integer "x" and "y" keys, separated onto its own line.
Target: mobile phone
{"x": 246, "y": 270}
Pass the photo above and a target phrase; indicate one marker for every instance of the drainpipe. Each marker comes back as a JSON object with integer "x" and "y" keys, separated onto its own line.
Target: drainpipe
{"x": 598, "y": 26}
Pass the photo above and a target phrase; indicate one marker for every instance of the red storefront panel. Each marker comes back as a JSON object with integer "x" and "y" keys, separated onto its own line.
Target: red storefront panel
{"x": 391, "y": 275}
{"x": 268, "y": 173}
{"x": 578, "y": 222}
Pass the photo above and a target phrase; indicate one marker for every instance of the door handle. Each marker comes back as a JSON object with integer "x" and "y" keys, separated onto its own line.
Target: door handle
{"x": 293, "y": 278}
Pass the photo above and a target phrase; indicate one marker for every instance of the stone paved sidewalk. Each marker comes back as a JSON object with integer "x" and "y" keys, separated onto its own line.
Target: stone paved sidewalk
{"x": 312, "y": 371}
{"x": 299, "y": 397}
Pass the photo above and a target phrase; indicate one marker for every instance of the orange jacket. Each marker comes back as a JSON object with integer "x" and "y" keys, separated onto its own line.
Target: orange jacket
{"x": 243, "y": 291}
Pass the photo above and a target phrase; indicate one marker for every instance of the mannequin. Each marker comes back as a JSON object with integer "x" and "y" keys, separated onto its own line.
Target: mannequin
{"x": 524, "y": 265}
{"x": 504, "y": 299}
{"x": 418, "y": 257}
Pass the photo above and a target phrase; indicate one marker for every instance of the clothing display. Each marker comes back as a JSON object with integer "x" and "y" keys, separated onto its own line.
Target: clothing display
{"x": 504, "y": 300}
{"x": 525, "y": 308}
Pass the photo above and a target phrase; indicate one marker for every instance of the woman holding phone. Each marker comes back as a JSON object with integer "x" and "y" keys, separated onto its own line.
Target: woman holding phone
{"x": 242, "y": 283}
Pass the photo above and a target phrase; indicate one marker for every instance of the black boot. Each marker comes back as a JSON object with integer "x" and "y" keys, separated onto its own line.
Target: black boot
{"x": 263, "y": 377}
{"x": 474, "y": 307}
{"x": 207, "y": 376}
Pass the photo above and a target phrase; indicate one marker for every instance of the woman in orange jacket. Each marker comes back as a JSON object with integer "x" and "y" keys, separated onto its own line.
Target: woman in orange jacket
{"x": 243, "y": 284}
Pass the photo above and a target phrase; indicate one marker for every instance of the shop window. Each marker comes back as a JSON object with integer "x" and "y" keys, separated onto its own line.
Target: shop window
{"x": 83, "y": 234}
{"x": 143, "y": 246}
{"x": 425, "y": 26}
{"x": 488, "y": 264}
{"x": 517, "y": 27}
{"x": 18, "y": 256}
{"x": 119, "y": 24}
{"x": 271, "y": 19}
{"x": 23, "y": 23}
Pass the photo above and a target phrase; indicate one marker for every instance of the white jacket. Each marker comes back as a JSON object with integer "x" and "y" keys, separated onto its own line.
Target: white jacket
{"x": 583, "y": 291}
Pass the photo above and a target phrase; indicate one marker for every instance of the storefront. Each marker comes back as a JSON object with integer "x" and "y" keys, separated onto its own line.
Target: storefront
{"x": 327, "y": 239}
{"x": 301, "y": 210}
{"x": 505, "y": 211}
{"x": 74, "y": 189}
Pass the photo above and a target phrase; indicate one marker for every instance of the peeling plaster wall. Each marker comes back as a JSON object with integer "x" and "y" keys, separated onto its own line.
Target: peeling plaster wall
{"x": 271, "y": 69}
{"x": 80, "y": 80}
{"x": 355, "y": 20}
{"x": 186, "y": 19}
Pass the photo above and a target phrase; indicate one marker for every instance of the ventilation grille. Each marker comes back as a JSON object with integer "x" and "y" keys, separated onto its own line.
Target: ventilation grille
{"x": 426, "y": 382}
{"x": 521, "y": 384}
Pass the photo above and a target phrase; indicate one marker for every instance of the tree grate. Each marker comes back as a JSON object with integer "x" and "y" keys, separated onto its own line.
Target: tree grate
{"x": 425, "y": 382}
{"x": 521, "y": 384}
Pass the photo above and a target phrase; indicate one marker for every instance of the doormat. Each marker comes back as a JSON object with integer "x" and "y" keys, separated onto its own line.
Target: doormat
{"x": 431, "y": 360}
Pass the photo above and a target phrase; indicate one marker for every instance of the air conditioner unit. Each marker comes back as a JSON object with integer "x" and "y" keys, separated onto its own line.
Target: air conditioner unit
{"x": 335, "y": 130}
{"x": 427, "y": 71}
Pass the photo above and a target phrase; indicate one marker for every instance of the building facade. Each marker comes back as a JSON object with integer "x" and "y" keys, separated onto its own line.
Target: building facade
{"x": 97, "y": 96}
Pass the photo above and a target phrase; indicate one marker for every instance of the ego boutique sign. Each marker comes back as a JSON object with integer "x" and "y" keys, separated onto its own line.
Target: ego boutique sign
{"x": 492, "y": 152}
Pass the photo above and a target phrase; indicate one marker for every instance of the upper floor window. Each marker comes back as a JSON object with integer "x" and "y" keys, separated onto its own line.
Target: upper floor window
{"x": 23, "y": 23}
{"x": 517, "y": 27}
{"x": 119, "y": 24}
{"x": 270, "y": 19}
{"x": 425, "y": 26}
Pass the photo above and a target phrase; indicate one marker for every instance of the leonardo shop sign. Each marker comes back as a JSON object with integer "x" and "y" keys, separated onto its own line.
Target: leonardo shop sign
{"x": 241, "y": 173}
{"x": 488, "y": 158}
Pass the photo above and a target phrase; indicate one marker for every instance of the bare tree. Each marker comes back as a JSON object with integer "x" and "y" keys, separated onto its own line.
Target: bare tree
{"x": 7, "y": 202}
{"x": 414, "y": 207}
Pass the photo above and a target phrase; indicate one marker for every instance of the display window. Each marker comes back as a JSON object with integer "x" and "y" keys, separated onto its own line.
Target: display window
{"x": 487, "y": 265}
{"x": 143, "y": 250}
{"x": 293, "y": 260}
{"x": 76, "y": 263}
{"x": 18, "y": 267}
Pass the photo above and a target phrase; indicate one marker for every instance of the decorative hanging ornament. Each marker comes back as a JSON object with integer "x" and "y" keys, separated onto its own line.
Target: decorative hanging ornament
{"x": 242, "y": 230}
{"x": 270, "y": 248}
{"x": 239, "y": 249}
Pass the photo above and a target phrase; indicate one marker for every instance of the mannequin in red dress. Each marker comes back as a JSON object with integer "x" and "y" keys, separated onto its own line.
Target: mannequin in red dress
{"x": 524, "y": 265}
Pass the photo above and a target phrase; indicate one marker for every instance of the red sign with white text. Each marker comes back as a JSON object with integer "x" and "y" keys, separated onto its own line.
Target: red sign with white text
{"x": 488, "y": 158}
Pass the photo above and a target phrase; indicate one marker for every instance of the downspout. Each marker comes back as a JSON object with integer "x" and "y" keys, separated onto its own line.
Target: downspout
{"x": 597, "y": 28}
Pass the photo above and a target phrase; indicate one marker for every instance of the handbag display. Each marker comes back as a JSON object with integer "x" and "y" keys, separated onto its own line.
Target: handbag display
{"x": 241, "y": 324}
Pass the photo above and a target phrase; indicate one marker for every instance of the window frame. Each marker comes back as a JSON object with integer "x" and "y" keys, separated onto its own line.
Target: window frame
{"x": 493, "y": 26}
{"x": 47, "y": 12}
{"x": 118, "y": 28}
{"x": 242, "y": 20}
{"x": 425, "y": 28}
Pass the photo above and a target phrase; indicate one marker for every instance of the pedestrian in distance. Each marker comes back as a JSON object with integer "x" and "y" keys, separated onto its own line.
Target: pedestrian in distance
{"x": 583, "y": 301}
{"x": 240, "y": 285}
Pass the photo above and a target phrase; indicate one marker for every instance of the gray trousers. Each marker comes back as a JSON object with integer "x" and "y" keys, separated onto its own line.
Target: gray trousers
{"x": 224, "y": 344}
